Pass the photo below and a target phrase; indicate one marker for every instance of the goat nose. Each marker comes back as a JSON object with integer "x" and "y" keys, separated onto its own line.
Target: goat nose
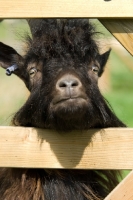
{"x": 68, "y": 81}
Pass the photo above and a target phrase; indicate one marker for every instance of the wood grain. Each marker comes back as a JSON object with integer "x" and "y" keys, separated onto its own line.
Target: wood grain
{"x": 38, "y": 148}
{"x": 122, "y": 29}
{"x": 65, "y": 8}
{"x": 124, "y": 191}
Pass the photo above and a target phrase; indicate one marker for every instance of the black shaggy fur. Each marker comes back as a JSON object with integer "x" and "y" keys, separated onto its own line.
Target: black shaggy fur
{"x": 61, "y": 69}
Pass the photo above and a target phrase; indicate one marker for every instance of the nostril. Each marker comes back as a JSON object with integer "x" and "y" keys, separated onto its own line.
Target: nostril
{"x": 68, "y": 83}
{"x": 62, "y": 84}
{"x": 74, "y": 83}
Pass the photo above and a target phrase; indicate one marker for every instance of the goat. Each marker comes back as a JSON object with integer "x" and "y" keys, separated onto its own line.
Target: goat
{"x": 60, "y": 68}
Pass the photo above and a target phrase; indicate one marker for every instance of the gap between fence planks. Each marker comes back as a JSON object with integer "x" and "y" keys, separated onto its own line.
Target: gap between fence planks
{"x": 124, "y": 191}
{"x": 66, "y": 8}
{"x": 122, "y": 30}
{"x": 110, "y": 148}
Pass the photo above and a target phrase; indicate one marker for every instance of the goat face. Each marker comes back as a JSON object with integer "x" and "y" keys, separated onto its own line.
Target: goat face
{"x": 61, "y": 69}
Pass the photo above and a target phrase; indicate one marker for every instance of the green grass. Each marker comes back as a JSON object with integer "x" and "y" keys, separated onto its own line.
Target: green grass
{"x": 121, "y": 94}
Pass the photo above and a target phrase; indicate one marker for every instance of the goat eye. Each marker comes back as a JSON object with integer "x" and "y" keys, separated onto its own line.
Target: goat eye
{"x": 95, "y": 69}
{"x": 32, "y": 72}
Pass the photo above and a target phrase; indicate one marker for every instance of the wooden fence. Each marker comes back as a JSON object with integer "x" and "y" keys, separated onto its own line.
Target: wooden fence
{"x": 108, "y": 148}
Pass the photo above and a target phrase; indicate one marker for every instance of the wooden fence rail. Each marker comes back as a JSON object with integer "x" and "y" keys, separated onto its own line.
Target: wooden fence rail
{"x": 66, "y": 8}
{"x": 110, "y": 148}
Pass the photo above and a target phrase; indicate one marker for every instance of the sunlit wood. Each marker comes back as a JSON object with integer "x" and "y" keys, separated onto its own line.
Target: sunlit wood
{"x": 66, "y": 8}
{"x": 38, "y": 148}
{"x": 122, "y": 29}
{"x": 124, "y": 191}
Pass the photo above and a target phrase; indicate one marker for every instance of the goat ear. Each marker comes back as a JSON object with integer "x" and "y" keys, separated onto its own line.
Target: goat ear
{"x": 102, "y": 59}
{"x": 11, "y": 61}
{"x": 8, "y": 55}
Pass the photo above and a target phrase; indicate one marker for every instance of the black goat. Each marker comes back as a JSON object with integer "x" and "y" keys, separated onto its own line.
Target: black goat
{"x": 61, "y": 69}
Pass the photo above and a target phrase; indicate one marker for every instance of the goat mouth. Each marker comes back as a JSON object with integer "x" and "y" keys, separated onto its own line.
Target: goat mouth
{"x": 68, "y": 100}
{"x": 69, "y": 108}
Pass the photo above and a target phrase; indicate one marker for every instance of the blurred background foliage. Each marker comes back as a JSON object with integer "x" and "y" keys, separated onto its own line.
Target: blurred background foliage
{"x": 13, "y": 92}
{"x": 116, "y": 84}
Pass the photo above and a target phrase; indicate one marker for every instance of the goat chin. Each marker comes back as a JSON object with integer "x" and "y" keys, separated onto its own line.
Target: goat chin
{"x": 70, "y": 108}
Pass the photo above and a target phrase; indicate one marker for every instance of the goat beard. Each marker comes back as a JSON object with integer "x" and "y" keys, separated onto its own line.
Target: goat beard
{"x": 67, "y": 116}
{"x": 79, "y": 117}
{"x": 93, "y": 114}
{"x": 72, "y": 117}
